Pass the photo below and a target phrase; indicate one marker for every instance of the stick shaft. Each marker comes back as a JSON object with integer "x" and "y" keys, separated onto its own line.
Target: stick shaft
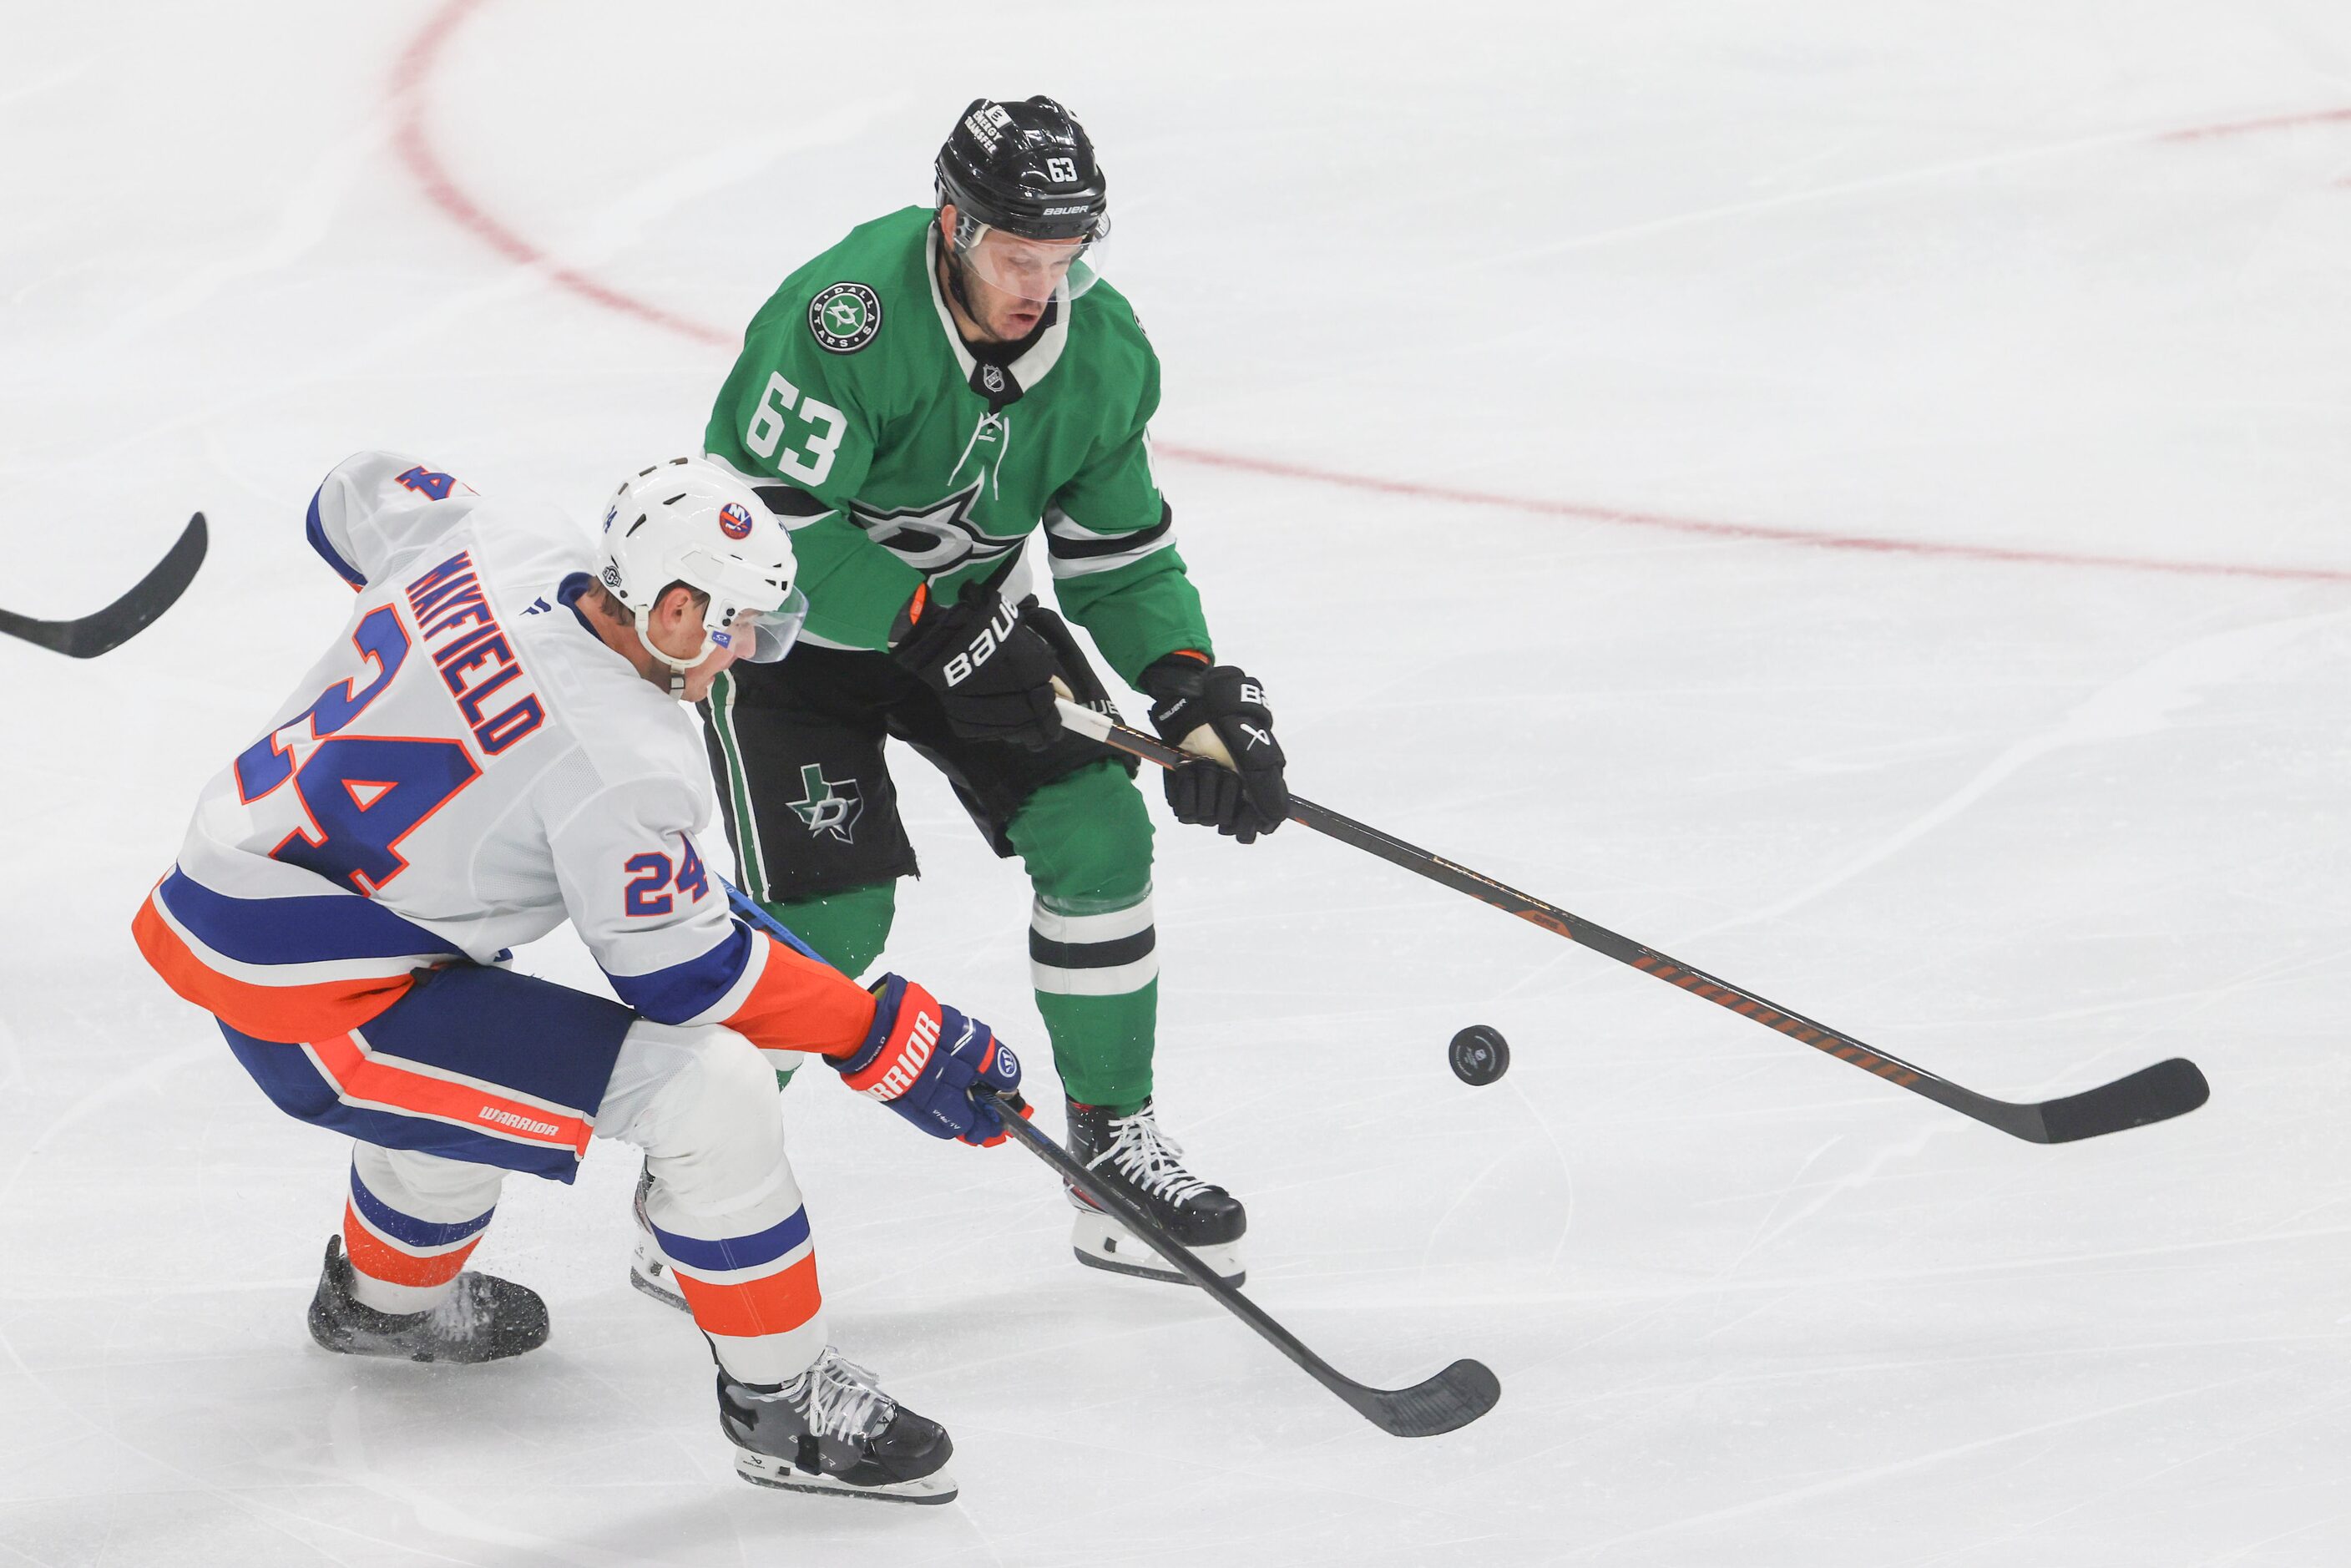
{"x": 1398, "y": 1411}
{"x": 2181, "y": 1088}
{"x": 1110, "y": 1201}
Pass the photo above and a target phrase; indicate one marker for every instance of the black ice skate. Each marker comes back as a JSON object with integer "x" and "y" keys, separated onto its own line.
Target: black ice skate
{"x": 1146, "y": 1166}
{"x": 832, "y": 1430}
{"x": 648, "y": 1270}
{"x": 484, "y": 1319}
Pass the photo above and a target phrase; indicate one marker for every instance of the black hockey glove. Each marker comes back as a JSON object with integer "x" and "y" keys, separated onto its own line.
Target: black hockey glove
{"x": 993, "y": 673}
{"x": 1189, "y": 696}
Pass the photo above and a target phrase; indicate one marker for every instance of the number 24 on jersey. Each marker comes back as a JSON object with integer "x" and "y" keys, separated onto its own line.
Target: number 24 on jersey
{"x": 651, "y": 876}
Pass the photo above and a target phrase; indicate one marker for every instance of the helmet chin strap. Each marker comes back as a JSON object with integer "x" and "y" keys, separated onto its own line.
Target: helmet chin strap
{"x": 955, "y": 283}
{"x": 678, "y": 667}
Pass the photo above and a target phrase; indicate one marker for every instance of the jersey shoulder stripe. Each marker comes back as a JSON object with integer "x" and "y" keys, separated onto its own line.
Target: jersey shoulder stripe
{"x": 316, "y": 532}
{"x": 374, "y": 507}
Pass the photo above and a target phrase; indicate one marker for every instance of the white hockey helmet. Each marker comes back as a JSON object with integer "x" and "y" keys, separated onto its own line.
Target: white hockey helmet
{"x": 690, "y": 520}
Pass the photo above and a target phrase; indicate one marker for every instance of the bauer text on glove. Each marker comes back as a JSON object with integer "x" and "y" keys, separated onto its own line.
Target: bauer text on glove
{"x": 1219, "y": 711}
{"x": 992, "y": 672}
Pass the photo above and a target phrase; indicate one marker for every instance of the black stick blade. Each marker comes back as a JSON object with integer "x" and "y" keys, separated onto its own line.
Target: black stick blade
{"x": 1447, "y": 1402}
{"x": 2155, "y": 1093}
{"x": 110, "y": 628}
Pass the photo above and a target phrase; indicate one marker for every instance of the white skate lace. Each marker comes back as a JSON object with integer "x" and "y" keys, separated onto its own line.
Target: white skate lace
{"x": 1149, "y": 1158}
{"x": 839, "y": 1398}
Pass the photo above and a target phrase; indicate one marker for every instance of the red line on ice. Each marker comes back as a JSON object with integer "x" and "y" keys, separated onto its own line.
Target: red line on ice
{"x": 413, "y": 144}
{"x": 415, "y": 149}
{"x": 2244, "y": 127}
{"x": 1759, "y": 531}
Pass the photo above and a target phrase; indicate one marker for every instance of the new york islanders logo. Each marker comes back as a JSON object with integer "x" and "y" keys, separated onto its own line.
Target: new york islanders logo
{"x": 844, "y": 316}
{"x": 734, "y": 521}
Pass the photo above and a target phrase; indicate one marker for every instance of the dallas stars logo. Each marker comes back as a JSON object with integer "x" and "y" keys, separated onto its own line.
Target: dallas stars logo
{"x": 935, "y": 539}
{"x": 827, "y": 806}
{"x": 844, "y": 316}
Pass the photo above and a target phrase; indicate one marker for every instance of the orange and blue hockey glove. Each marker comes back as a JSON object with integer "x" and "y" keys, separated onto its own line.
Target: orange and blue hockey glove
{"x": 931, "y": 1065}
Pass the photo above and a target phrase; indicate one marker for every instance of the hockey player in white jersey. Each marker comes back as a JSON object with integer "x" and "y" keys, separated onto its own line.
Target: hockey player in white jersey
{"x": 495, "y": 744}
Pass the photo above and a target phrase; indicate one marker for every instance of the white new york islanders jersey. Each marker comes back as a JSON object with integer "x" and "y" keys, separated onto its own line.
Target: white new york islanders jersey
{"x": 467, "y": 767}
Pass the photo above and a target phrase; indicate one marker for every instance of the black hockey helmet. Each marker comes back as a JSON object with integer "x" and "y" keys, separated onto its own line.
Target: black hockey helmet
{"x": 1027, "y": 167}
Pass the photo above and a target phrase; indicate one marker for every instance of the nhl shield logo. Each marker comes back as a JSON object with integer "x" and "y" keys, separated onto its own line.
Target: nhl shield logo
{"x": 991, "y": 378}
{"x": 843, "y": 316}
{"x": 734, "y": 521}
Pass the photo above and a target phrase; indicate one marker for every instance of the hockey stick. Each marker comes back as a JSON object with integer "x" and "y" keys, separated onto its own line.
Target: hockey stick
{"x": 2156, "y": 1093}
{"x": 116, "y": 624}
{"x": 741, "y": 903}
{"x": 1454, "y": 1398}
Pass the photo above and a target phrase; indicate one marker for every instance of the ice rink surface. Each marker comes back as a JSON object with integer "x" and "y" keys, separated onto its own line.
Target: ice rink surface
{"x": 1851, "y": 494}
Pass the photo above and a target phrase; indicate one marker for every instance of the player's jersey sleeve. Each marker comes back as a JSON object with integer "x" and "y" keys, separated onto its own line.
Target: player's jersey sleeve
{"x": 797, "y": 423}
{"x": 376, "y": 505}
{"x": 657, "y": 923}
{"x": 1111, "y": 537}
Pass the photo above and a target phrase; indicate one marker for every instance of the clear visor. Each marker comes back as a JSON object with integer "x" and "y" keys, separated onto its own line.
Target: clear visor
{"x": 764, "y": 635}
{"x": 1029, "y": 270}
{"x": 750, "y": 609}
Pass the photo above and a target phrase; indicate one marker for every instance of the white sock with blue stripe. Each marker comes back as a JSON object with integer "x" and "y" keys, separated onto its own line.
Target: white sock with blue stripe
{"x": 411, "y": 1221}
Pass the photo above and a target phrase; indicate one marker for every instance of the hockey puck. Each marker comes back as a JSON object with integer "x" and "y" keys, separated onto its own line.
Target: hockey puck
{"x": 1479, "y": 1054}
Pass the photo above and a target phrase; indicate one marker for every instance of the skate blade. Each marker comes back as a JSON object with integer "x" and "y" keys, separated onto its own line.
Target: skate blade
{"x": 1100, "y": 1242}
{"x": 763, "y": 1471}
{"x": 649, "y": 1272}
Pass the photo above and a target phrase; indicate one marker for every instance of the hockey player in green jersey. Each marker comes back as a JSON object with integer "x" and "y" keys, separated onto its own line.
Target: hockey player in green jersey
{"x": 915, "y": 403}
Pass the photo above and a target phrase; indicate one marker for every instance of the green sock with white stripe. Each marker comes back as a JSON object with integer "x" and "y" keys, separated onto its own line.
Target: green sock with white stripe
{"x": 1102, "y": 1020}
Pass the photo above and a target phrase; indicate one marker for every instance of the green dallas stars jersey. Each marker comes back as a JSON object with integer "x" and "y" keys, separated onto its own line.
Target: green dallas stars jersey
{"x": 907, "y": 462}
